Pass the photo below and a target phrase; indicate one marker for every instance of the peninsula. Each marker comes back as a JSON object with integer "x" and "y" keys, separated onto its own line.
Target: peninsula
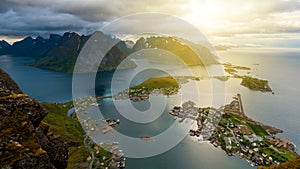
{"x": 231, "y": 129}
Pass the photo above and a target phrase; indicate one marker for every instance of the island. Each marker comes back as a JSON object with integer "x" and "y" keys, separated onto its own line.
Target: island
{"x": 169, "y": 85}
{"x": 231, "y": 129}
{"x": 161, "y": 85}
{"x": 247, "y": 81}
{"x": 256, "y": 84}
{"x": 233, "y": 68}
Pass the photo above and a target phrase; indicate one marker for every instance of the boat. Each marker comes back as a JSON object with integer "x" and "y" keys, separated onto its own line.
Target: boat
{"x": 146, "y": 138}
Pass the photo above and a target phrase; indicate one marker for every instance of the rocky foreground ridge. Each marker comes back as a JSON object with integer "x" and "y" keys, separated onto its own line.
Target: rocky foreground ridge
{"x": 24, "y": 139}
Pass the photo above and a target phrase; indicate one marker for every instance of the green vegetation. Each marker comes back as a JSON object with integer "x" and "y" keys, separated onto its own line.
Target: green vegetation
{"x": 287, "y": 154}
{"x": 61, "y": 65}
{"x": 256, "y": 84}
{"x": 61, "y": 124}
{"x": 178, "y": 47}
{"x": 162, "y": 83}
{"x": 238, "y": 134}
{"x": 223, "y": 122}
{"x": 221, "y": 141}
{"x": 236, "y": 119}
{"x": 231, "y": 66}
{"x": 230, "y": 70}
{"x": 257, "y": 129}
{"x": 293, "y": 164}
{"x": 281, "y": 155}
{"x": 17, "y": 125}
{"x": 70, "y": 130}
{"x": 247, "y": 81}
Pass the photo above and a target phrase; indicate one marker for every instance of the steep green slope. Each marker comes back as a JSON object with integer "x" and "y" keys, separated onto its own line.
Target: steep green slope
{"x": 188, "y": 52}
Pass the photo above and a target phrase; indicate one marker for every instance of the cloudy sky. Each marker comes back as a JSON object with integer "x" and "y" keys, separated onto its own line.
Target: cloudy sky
{"x": 219, "y": 20}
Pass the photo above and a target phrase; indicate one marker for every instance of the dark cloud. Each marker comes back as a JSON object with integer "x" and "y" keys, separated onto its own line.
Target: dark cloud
{"x": 41, "y": 17}
{"x": 32, "y": 17}
{"x": 26, "y": 19}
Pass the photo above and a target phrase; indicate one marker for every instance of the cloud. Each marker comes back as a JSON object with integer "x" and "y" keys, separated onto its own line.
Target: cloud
{"x": 35, "y": 21}
{"x": 39, "y": 17}
{"x": 222, "y": 18}
{"x": 244, "y": 17}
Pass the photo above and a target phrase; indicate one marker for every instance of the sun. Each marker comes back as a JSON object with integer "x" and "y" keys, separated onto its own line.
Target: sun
{"x": 206, "y": 14}
{"x": 217, "y": 16}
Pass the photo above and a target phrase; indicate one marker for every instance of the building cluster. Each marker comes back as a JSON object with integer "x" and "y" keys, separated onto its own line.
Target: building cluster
{"x": 133, "y": 94}
{"x": 187, "y": 111}
{"x": 141, "y": 94}
{"x": 115, "y": 160}
{"x": 283, "y": 143}
{"x": 229, "y": 128}
{"x": 83, "y": 104}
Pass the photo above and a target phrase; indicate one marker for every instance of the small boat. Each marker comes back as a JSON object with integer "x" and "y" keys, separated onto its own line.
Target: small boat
{"x": 146, "y": 138}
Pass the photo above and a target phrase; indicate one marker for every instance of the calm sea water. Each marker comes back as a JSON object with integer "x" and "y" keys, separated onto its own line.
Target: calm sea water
{"x": 281, "y": 110}
{"x": 42, "y": 85}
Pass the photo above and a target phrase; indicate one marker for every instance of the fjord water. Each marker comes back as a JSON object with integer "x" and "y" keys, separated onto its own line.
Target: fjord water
{"x": 280, "y": 67}
{"x": 42, "y": 85}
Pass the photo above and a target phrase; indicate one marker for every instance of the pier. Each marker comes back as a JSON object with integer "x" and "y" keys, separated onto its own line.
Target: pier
{"x": 240, "y": 103}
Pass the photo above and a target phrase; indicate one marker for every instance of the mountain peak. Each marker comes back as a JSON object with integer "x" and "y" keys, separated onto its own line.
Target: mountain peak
{"x": 4, "y": 44}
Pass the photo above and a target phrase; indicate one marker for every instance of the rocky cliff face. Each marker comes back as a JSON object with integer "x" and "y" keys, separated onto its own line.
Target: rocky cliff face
{"x": 24, "y": 142}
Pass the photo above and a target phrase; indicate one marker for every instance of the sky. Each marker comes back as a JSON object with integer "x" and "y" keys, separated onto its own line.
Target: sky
{"x": 227, "y": 22}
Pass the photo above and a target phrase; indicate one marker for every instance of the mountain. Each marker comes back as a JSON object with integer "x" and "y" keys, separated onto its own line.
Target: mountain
{"x": 62, "y": 56}
{"x": 4, "y": 46}
{"x": 60, "y": 53}
{"x": 24, "y": 139}
{"x": 31, "y": 47}
{"x": 187, "y": 51}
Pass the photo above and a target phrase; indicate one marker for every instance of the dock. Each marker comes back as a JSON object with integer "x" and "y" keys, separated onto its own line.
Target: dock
{"x": 240, "y": 103}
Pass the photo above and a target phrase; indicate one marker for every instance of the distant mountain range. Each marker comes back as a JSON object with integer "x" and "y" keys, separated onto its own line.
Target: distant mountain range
{"x": 59, "y": 53}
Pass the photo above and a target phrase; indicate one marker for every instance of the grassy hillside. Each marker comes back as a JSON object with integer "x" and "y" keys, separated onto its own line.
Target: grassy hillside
{"x": 158, "y": 83}
{"x": 182, "y": 49}
{"x": 71, "y": 131}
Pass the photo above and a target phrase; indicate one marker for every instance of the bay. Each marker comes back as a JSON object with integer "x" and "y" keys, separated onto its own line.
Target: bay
{"x": 280, "y": 110}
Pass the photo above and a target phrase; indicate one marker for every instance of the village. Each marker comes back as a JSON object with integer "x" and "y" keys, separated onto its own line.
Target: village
{"x": 229, "y": 128}
{"x": 116, "y": 158}
{"x": 143, "y": 93}
{"x": 102, "y": 155}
